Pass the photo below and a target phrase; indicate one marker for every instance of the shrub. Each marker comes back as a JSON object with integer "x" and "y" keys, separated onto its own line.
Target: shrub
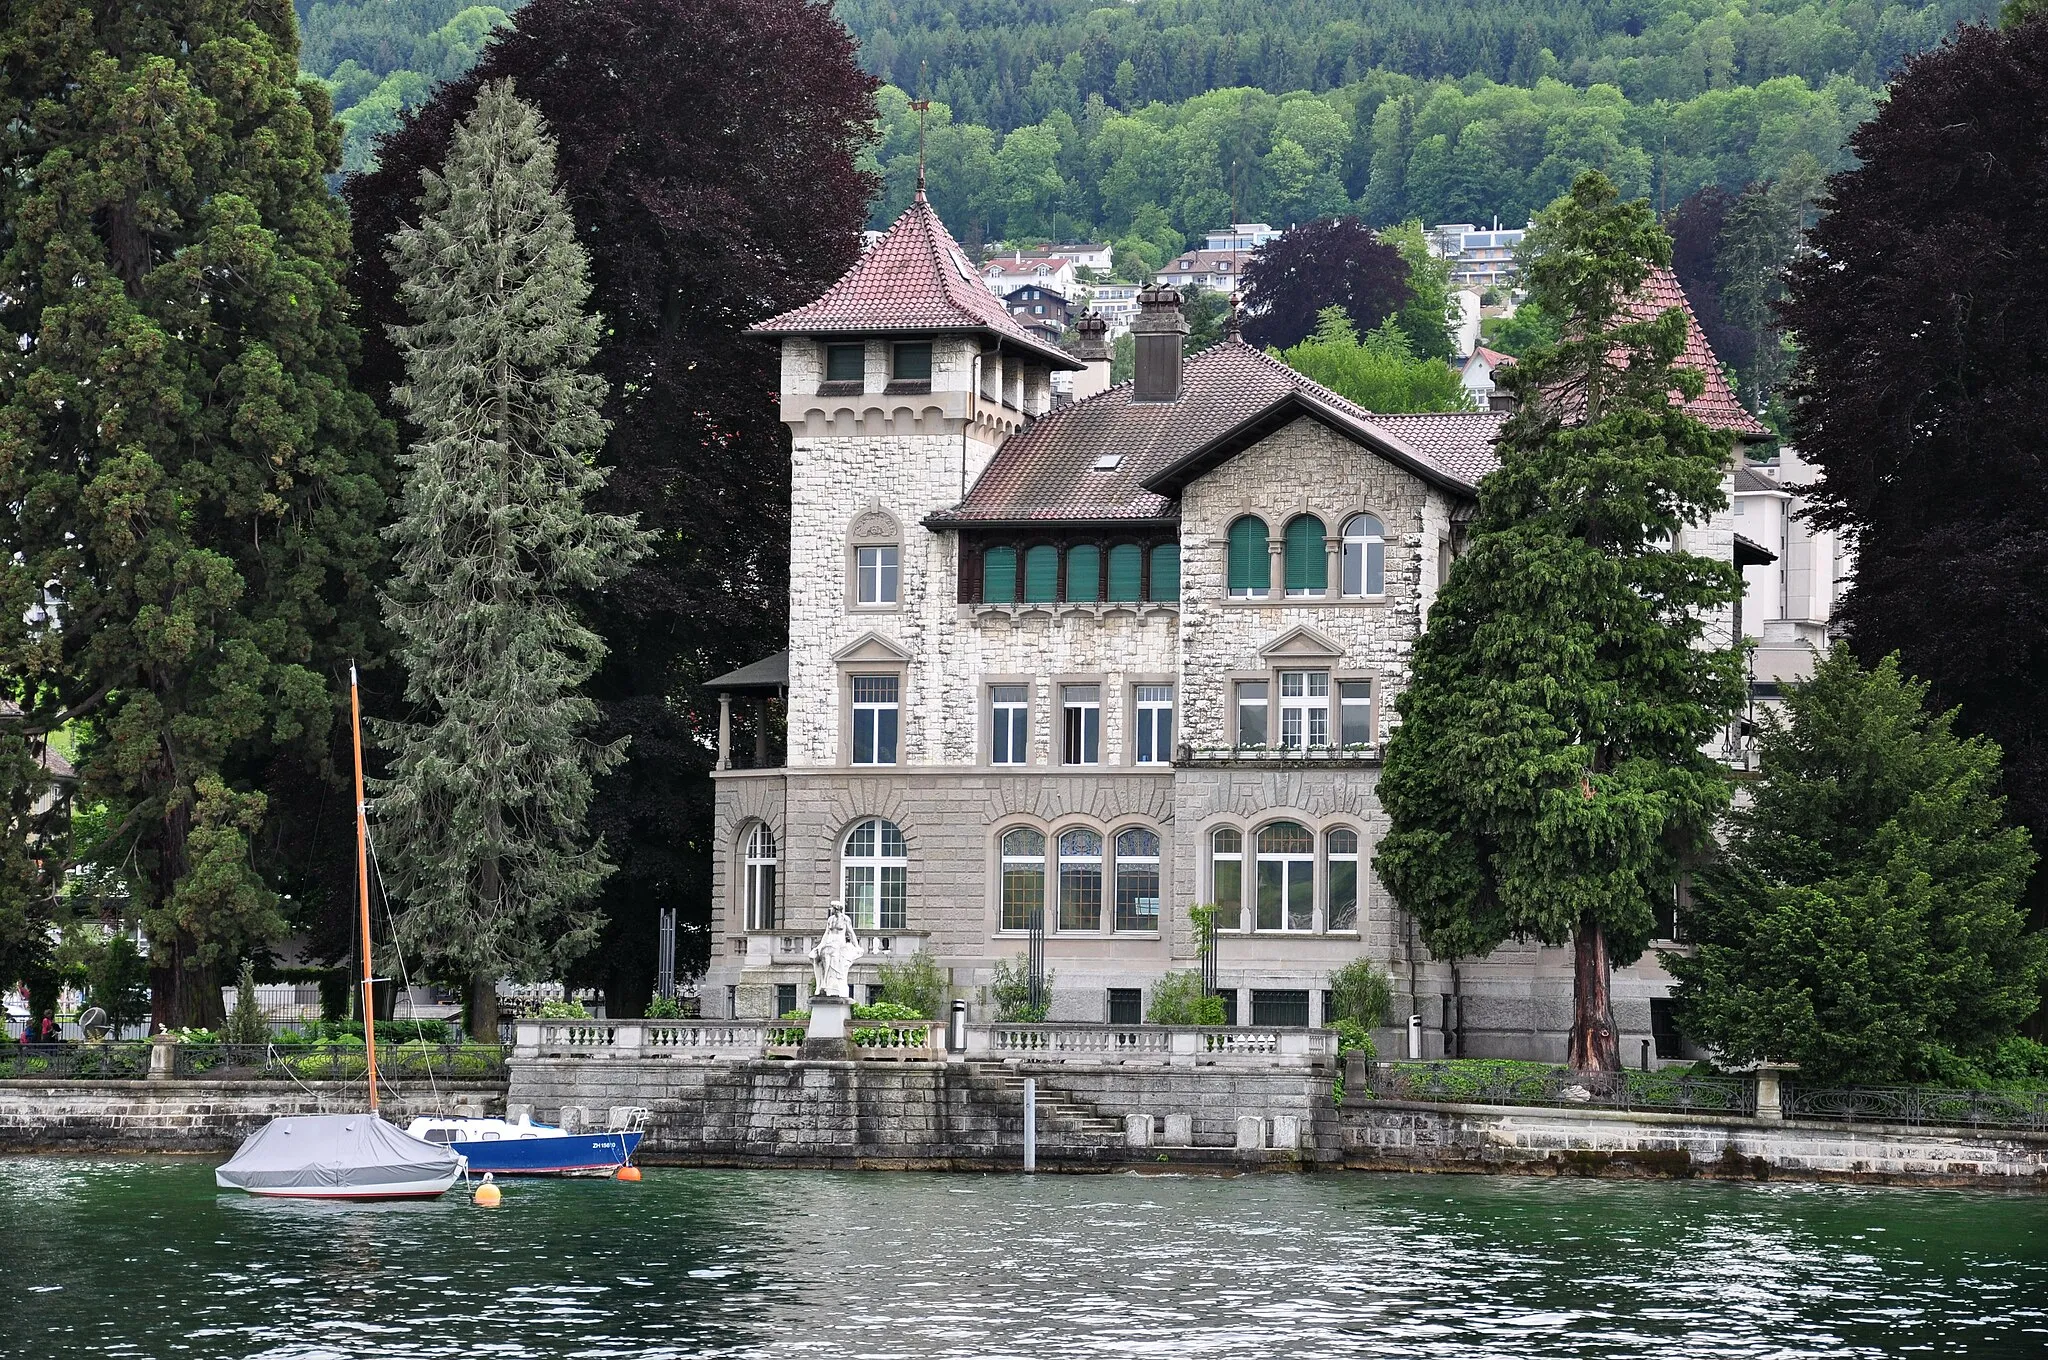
{"x": 1360, "y": 992}
{"x": 1353, "y": 1037}
{"x": 1181, "y": 999}
{"x": 664, "y": 1008}
{"x": 246, "y": 1024}
{"x": 1011, "y": 990}
{"x": 918, "y": 984}
{"x": 563, "y": 1010}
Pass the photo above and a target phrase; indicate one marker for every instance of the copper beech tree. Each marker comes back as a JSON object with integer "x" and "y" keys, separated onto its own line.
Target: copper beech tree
{"x": 1547, "y": 781}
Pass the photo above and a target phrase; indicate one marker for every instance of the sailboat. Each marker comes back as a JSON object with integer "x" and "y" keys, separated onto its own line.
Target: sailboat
{"x": 344, "y": 1156}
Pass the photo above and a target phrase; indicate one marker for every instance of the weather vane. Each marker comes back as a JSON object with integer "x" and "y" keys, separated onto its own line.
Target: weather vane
{"x": 922, "y": 106}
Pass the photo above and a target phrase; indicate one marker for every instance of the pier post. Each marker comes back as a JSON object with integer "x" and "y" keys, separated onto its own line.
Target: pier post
{"x": 1030, "y": 1124}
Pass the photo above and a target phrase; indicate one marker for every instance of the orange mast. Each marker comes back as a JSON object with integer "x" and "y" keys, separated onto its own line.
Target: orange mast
{"x": 355, "y": 709}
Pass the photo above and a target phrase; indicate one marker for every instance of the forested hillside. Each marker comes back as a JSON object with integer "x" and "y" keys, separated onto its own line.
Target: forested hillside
{"x": 381, "y": 56}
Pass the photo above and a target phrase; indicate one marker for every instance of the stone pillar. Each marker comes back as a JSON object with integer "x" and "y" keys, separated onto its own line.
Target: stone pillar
{"x": 1333, "y": 569}
{"x": 163, "y": 1058}
{"x": 1180, "y": 1130}
{"x": 1138, "y": 1130}
{"x": 1276, "y": 589}
{"x": 1287, "y": 1131}
{"x": 1251, "y": 1131}
{"x": 826, "y": 1035}
{"x": 1770, "y": 1103}
{"x": 724, "y": 731}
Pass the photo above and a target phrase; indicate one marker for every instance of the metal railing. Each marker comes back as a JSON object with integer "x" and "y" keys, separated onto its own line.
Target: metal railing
{"x": 75, "y": 1062}
{"x": 1517, "y": 1083}
{"x": 1919, "y": 1106}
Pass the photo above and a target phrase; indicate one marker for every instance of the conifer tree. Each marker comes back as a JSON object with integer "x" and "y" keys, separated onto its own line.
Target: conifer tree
{"x": 1547, "y": 781}
{"x": 189, "y": 489}
{"x": 482, "y": 818}
{"x": 1866, "y": 923}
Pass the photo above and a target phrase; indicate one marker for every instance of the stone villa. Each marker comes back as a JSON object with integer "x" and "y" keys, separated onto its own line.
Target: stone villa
{"x": 1058, "y": 672}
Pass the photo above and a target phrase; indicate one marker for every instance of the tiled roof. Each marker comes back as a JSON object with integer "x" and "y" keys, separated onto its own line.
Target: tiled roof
{"x": 1492, "y": 358}
{"x": 1747, "y": 478}
{"x": 1717, "y": 404}
{"x": 916, "y": 278}
{"x": 1048, "y": 472}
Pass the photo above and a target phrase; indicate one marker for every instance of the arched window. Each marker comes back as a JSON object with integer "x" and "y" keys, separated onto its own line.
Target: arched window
{"x": 1137, "y": 879}
{"x": 1342, "y": 843}
{"x": 999, "y": 576}
{"x": 1084, "y": 572}
{"x": 1023, "y": 879}
{"x": 1126, "y": 572}
{"x": 1250, "y": 568}
{"x": 1041, "y": 574}
{"x": 1165, "y": 583}
{"x": 1308, "y": 570}
{"x": 759, "y": 878}
{"x": 1226, "y": 876}
{"x": 1365, "y": 557}
{"x": 1080, "y": 879}
{"x": 876, "y": 877}
{"x": 1286, "y": 877}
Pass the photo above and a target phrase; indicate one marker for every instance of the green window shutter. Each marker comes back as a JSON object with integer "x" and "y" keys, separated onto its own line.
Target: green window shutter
{"x": 1166, "y": 572}
{"x": 1308, "y": 566}
{"x": 999, "y": 576}
{"x": 1250, "y": 568}
{"x": 1041, "y": 574}
{"x": 1084, "y": 572}
{"x": 1126, "y": 568}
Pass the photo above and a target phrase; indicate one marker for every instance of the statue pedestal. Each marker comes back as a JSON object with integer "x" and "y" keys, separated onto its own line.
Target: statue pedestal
{"x": 826, "y": 1036}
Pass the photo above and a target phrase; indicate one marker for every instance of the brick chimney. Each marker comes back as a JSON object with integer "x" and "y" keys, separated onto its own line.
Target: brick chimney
{"x": 1157, "y": 332}
{"x": 1091, "y": 347}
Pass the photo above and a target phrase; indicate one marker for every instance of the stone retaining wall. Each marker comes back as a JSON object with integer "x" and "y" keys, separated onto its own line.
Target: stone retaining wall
{"x": 197, "y": 1116}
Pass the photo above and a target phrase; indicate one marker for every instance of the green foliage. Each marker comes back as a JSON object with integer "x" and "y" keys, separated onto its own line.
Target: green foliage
{"x": 1427, "y": 316}
{"x": 888, "y": 1010}
{"x": 117, "y": 980}
{"x": 379, "y": 58}
{"x": 1547, "y": 779}
{"x": 917, "y": 984}
{"x": 246, "y": 1023}
{"x": 562, "y": 1010}
{"x": 1865, "y": 923}
{"x": 1181, "y": 999}
{"x": 1354, "y": 1037}
{"x": 1763, "y": 231}
{"x": 1530, "y": 328}
{"x": 664, "y": 1008}
{"x": 483, "y": 813}
{"x": 1010, "y": 989}
{"x": 1361, "y": 993}
{"x": 1381, "y": 372}
{"x": 184, "y": 460}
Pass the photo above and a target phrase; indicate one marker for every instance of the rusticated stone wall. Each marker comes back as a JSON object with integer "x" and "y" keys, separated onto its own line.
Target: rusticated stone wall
{"x": 198, "y": 1116}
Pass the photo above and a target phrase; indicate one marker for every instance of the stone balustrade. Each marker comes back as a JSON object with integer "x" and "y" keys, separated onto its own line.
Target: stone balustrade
{"x": 914, "y": 1040}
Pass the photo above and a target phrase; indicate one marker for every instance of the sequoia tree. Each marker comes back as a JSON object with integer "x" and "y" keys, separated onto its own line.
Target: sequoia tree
{"x": 1922, "y": 389}
{"x": 482, "y": 819}
{"x": 1547, "y": 780}
{"x": 1865, "y": 923}
{"x": 1334, "y": 262}
{"x": 190, "y": 488}
{"x": 707, "y": 155}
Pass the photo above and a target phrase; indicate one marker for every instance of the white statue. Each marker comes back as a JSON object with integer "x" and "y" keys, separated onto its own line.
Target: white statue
{"x": 835, "y": 953}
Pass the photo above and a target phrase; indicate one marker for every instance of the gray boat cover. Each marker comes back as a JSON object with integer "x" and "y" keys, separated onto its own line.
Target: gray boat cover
{"x": 332, "y": 1152}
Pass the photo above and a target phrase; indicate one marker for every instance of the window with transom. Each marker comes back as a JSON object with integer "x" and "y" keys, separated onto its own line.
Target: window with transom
{"x": 1023, "y": 878}
{"x": 1364, "y": 571}
{"x": 1154, "y": 724}
{"x": 1009, "y": 737}
{"x": 1304, "y": 709}
{"x": 1080, "y": 879}
{"x": 759, "y": 878}
{"x": 1286, "y": 877}
{"x": 1226, "y": 876}
{"x": 877, "y": 719}
{"x": 875, "y": 876}
{"x": 1342, "y": 844}
{"x": 1137, "y": 879}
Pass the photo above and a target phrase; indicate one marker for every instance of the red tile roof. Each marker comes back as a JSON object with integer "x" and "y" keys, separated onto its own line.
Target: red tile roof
{"x": 916, "y": 278}
{"x": 1717, "y": 404}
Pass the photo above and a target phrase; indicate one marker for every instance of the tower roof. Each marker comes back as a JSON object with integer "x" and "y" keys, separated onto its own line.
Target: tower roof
{"x": 916, "y": 279}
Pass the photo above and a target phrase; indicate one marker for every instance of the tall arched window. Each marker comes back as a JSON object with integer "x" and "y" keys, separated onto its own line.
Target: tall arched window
{"x": 1342, "y": 842}
{"x": 759, "y": 878}
{"x": 1365, "y": 557}
{"x": 1126, "y": 572}
{"x": 876, "y": 876}
{"x": 1250, "y": 568}
{"x": 1080, "y": 879}
{"x": 1041, "y": 574}
{"x": 1286, "y": 877}
{"x": 1137, "y": 879}
{"x": 1226, "y": 876}
{"x": 1308, "y": 566}
{"x": 1084, "y": 572}
{"x": 1023, "y": 878}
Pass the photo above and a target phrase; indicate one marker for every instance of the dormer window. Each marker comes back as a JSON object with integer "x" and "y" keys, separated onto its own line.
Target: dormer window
{"x": 911, "y": 362}
{"x": 845, "y": 363}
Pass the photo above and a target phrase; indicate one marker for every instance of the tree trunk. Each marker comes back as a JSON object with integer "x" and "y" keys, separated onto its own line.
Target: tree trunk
{"x": 1595, "y": 1047}
{"x": 184, "y": 994}
{"x": 481, "y": 1010}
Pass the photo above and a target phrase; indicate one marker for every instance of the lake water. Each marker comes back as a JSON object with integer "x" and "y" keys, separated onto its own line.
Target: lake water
{"x": 146, "y": 1258}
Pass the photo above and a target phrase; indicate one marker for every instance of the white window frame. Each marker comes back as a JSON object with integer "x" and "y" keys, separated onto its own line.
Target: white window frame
{"x": 1008, "y": 860}
{"x": 878, "y": 573}
{"x": 1243, "y": 699}
{"x": 1218, "y": 855}
{"x": 1363, "y": 550}
{"x": 759, "y": 877}
{"x": 874, "y": 875}
{"x": 1305, "y": 712}
{"x": 1009, "y": 726}
{"x": 1152, "y": 734}
{"x": 874, "y": 710}
{"x": 1081, "y": 725}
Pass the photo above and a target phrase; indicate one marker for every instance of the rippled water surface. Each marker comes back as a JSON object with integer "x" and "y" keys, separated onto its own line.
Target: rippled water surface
{"x": 145, "y": 1258}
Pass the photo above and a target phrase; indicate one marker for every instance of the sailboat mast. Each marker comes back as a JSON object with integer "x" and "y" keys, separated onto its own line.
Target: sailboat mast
{"x": 355, "y": 709}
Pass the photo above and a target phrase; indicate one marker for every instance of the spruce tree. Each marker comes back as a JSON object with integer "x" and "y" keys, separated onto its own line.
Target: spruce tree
{"x": 482, "y": 818}
{"x": 189, "y": 489}
{"x": 1866, "y": 923}
{"x": 1547, "y": 780}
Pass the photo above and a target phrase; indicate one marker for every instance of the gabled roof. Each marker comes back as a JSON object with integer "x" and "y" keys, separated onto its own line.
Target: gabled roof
{"x": 1231, "y": 396}
{"x": 1747, "y": 478}
{"x": 915, "y": 279}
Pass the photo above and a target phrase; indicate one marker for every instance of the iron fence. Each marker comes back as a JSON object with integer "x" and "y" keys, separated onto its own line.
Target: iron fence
{"x": 336, "y": 1061}
{"x": 82, "y": 1062}
{"x": 1479, "y": 1082}
{"x": 1919, "y": 1105}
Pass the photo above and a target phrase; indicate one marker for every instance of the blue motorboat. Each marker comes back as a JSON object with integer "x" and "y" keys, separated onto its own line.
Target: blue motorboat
{"x": 529, "y": 1149}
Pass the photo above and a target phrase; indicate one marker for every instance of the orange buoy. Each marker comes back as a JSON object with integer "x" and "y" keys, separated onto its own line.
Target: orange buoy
{"x": 627, "y": 1173}
{"x": 487, "y": 1195}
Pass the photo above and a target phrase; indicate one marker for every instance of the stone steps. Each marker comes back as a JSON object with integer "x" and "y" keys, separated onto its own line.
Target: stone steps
{"x": 1064, "y": 1112}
